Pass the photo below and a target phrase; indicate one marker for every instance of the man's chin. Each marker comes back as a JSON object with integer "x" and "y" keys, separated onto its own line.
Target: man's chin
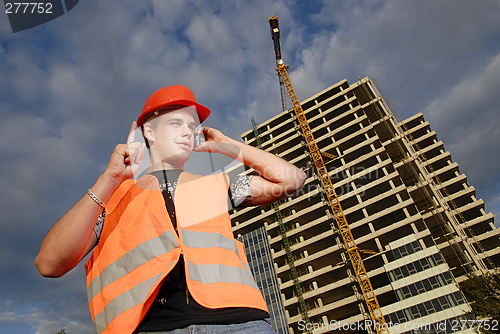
{"x": 176, "y": 161}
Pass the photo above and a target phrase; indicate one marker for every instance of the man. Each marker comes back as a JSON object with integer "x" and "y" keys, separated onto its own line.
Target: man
{"x": 166, "y": 259}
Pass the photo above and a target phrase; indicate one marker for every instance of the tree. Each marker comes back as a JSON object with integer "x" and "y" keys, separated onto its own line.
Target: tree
{"x": 62, "y": 331}
{"x": 483, "y": 292}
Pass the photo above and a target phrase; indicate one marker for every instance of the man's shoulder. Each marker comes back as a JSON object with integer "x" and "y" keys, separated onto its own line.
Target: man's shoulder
{"x": 145, "y": 182}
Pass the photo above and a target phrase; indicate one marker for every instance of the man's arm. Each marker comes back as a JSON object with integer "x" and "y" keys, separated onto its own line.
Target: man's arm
{"x": 72, "y": 237}
{"x": 277, "y": 178}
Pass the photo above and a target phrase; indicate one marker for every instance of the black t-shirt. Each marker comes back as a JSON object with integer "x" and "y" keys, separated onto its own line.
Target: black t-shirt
{"x": 174, "y": 307}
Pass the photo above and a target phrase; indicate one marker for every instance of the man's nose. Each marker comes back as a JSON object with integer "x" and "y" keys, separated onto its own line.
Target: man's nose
{"x": 187, "y": 132}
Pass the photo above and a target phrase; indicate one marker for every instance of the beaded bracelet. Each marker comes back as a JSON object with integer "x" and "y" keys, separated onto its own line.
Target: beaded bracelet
{"x": 96, "y": 199}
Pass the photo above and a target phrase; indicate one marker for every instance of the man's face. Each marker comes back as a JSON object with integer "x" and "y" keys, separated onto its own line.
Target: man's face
{"x": 172, "y": 137}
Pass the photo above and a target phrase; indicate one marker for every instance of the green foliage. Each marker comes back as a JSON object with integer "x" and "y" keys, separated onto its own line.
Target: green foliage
{"x": 483, "y": 292}
{"x": 62, "y": 331}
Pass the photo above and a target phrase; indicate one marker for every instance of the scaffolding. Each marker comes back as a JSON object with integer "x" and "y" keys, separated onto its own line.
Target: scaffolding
{"x": 459, "y": 227}
{"x": 286, "y": 244}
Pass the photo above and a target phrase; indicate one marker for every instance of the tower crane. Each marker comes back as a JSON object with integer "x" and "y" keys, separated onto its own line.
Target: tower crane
{"x": 352, "y": 250}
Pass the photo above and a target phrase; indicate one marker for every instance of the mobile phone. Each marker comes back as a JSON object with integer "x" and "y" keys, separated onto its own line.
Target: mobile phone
{"x": 198, "y": 139}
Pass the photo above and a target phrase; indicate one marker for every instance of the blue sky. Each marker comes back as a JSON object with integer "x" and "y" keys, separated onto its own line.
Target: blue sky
{"x": 69, "y": 90}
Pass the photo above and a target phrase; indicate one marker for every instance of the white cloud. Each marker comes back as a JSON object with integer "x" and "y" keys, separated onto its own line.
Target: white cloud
{"x": 467, "y": 119}
{"x": 54, "y": 326}
{"x": 409, "y": 47}
{"x": 40, "y": 321}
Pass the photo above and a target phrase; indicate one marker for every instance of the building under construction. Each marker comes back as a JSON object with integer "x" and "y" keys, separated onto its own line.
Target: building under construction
{"x": 414, "y": 218}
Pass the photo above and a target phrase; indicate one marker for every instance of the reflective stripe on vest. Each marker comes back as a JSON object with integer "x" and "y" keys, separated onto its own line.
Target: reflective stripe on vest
{"x": 196, "y": 239}
{"x": 132, "y": 260}
{"x": 218, "y": 273}
{"x": 135, "y": 296}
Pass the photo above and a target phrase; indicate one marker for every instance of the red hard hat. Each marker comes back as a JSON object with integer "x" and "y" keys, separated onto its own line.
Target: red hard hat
{"x": 172, "y": 96}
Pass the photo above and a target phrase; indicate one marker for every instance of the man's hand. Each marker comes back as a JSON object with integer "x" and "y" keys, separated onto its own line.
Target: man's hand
{"x": 212, "y": 137}
{"x": 127, "y": 158}
{"x": 72, "y": 237}
{"x": 277, "y": 178}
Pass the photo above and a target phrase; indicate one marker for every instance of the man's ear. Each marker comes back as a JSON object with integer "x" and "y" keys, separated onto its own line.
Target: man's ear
{"x": 148, "y": 133}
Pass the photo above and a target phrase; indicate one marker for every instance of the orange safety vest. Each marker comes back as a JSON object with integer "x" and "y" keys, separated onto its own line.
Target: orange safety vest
{"x": 138, "y": 247}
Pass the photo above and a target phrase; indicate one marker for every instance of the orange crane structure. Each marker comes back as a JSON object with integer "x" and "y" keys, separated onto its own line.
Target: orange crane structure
{"x": 352, "y": 250}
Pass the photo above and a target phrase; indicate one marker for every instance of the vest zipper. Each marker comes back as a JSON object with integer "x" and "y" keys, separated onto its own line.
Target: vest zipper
{"x": 187, "y": 296}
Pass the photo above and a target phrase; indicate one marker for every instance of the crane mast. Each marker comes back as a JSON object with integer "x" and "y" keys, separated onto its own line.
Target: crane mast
{"x": 352, "y": 250}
